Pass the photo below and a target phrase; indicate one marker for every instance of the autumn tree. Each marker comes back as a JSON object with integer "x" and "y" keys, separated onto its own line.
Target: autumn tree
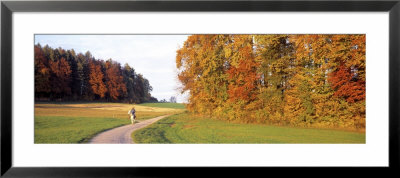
{"x": 60, "y": 77}
{"x": 65, "y": 75}
{"x": 242, "y": 76}
{"x": 114, "y": 80}
{"x": 190, "y": 61}
{"x": 348, "y": 76}
{"x": 129, "y": 77}
{"x": 304, "y": 80}
{"x": 203, "y": 61}
{"x": 276, "y": 66}
{"x": 42, "y": 73}
{"x": 96, "y": 79}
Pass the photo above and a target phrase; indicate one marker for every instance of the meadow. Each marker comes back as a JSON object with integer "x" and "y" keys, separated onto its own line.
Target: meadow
{"x": 185, "y": 128}
{"x": 165, "y": 105}
{"x": 78, "y": 122}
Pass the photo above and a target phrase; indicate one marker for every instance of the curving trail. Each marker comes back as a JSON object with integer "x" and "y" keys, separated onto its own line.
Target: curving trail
{"x": 122, "y": 134}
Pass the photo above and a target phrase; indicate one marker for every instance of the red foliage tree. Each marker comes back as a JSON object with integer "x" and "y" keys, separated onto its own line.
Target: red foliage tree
{"x": 243, "y": 72}
{"x": 347, "y": 84}
{"x": 114, "y": 80}
{"x": 96, "y": 79}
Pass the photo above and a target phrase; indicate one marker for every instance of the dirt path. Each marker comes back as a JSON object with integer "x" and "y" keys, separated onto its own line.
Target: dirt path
{"x": 122, "y": 134}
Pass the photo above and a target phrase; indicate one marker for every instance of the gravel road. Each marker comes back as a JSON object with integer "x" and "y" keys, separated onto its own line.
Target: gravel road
{"x": 122, "y": 134}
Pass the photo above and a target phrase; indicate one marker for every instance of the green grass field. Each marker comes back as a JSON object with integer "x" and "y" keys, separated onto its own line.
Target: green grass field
{"x": 183, "y": 128}
{"x": 78, "y": 122}
{"x": 59, "y": 129}
{"x": 165, "y": 105}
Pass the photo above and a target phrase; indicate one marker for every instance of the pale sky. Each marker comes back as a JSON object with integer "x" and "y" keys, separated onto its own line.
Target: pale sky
{"x": 151, "y": 55}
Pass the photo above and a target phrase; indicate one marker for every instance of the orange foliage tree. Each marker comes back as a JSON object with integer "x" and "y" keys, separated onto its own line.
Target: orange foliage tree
{"x": 96, "y": 79}
{"x": 304, "y": 80}
{"x": 114, "y": 80}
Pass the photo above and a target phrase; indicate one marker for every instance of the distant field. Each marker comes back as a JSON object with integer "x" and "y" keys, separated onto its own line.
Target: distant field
{"x": 183, "y": 128}
{"x": 78, "y": 122}
{"x": 165, "y": 105}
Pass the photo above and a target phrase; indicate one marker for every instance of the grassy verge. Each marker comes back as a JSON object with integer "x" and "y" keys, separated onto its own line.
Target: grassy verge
{"x": 184, "y": 128}
{"x": 59, "y": 129}
{"x": 78, "y": 122}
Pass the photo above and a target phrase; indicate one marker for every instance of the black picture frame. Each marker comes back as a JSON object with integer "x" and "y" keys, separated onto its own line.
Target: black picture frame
{"x": 8, "y": 7}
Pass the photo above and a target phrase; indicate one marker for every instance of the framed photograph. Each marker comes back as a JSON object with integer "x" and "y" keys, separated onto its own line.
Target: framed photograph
{"x": 142, "y": 88}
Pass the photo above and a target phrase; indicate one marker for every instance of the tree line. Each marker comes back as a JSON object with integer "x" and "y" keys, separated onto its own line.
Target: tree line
{"x": 300, "y": 80}
{"x": 63, "y": 75}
